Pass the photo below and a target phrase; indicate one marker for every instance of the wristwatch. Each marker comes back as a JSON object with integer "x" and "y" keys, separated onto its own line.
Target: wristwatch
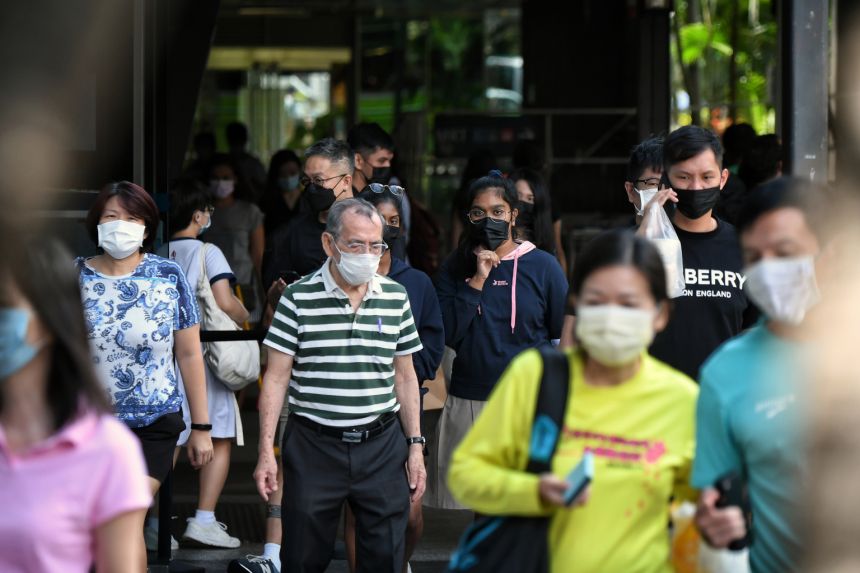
{"x": 418, "y": 440}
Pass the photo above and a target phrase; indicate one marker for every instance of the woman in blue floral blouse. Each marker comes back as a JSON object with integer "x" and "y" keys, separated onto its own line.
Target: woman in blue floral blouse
{"x": 142, "y": 316}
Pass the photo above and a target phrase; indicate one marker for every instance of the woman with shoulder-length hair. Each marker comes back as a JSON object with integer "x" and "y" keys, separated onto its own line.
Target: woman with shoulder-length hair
{"x": 72, "y": 478}
{"x": 141, "y": 317}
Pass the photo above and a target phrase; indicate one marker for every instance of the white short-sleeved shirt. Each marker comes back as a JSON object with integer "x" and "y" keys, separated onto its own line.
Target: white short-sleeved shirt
{"x": 222, "y": 413}
{"x": 186, "y": 253}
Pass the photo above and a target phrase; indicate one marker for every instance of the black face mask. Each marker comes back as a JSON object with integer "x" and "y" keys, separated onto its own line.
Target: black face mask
{"x": 526, "y": 217}
{"x": 695, "y": 203}
{"x": 395, "y": 241}
{"x": 380, "y": 175}
{"x": 390, "y": 234}
{"x": 490, "y": 232}
{"x": 319, "y": 198}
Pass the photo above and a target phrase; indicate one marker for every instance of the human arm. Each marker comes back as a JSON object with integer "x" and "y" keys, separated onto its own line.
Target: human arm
{"x": 559, "y": 246}
{"x": 459, "y": 303}
{"x": 406, "y": 389}
{"x": 275, "y": 384}
{"x": 716, "y": 456}
{"x": 282, "y": 342}
{"x": 488, "y": 467}
{"x": 117, "y": 549}
{"x": 189, "y": 358}
{"x": 568, "y": 329}
{"x": 432, "y": 333}
{"x": 228, "y": 302}
{"x": 556, "y": 301}
{"x": 257, "y": 246}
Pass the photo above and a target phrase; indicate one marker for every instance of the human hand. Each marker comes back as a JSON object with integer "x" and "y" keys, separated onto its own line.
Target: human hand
{"x": 552, "y": 490}
{"x": 415, "y": 472}
{"x": 200, "y": 450}
{"x": 719, "y": 525}
{"x": 266, "y": 475}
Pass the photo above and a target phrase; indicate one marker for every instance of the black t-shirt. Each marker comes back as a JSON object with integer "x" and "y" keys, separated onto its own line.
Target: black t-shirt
{"x": 296, "y": 248}
{"x": 713, "y": 307}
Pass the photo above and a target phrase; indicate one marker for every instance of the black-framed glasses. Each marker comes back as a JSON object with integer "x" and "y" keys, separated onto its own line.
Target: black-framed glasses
{"x": 649, "y": 183}
{"x": 319, "y": 181}
{"x": 477, "y": 215}
{"x": 380, "y": 188}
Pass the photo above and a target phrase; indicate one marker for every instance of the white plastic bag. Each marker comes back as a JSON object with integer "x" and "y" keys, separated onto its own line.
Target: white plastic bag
{"x": 722, "y": 560}
{"x": 657, "y": 227}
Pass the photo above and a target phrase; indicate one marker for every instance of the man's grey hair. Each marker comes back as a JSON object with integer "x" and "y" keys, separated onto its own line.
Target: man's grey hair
{"x": 334, "y": 150}
{"x": 334, "y": 222}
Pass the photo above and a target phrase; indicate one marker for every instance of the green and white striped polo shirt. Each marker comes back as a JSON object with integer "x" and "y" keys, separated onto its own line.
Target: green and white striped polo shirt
{"x": 343, "y": 366}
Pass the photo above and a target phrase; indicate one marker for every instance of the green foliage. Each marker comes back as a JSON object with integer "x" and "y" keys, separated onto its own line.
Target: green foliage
{"x": 706, "y": 46}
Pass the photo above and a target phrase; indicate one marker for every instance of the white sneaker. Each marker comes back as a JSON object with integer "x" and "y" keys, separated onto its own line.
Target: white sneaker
{"x": 150, "y": 536}
{"x": 212, "y": 534}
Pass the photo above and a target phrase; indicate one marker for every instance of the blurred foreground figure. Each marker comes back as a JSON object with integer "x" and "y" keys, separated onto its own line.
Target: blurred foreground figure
{"x": 73, "y": 482}
{"x": 751, "y": 416}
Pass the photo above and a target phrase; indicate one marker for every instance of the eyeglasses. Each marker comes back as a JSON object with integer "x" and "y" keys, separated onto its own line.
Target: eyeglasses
{"x": 477, "y": 215}
{"x": 395, "y": 190}
{"x": 209, "y": 209}
{"x": 319, "y": 181}
{"x": 650, "y": 183}
{"x": 359, "y": 248}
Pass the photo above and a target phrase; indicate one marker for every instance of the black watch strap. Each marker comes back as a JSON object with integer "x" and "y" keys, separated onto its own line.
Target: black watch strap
{"x": 417, "y": 440}
{"x": 202, "y": 427}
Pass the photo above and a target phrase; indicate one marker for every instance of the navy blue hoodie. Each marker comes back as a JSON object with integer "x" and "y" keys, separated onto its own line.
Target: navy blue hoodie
{"x": 521, "y": 306}
{"x": 427, "y": 316}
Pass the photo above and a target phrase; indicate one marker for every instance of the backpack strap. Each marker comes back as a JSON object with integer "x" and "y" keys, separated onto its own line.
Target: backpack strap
{"x": 549, "y": 412}
{"x": 202, "y": 252}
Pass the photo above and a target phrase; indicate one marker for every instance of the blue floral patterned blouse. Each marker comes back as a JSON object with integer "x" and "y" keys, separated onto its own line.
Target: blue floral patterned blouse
{"x": 130, "y": 324}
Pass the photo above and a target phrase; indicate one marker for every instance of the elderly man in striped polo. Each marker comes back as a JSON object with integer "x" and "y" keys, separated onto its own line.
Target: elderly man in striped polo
{"x": 341, "y": 341}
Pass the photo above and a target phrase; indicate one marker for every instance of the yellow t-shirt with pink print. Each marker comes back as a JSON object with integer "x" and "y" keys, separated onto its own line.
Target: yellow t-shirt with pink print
{"x": 641, "y": 433}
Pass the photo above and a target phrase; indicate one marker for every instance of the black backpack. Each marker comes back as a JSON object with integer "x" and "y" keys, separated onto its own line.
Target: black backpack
{"x": 515, "y": 544}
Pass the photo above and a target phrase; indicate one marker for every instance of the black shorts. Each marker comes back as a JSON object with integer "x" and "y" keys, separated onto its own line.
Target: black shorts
{"x": 158, "y": 441}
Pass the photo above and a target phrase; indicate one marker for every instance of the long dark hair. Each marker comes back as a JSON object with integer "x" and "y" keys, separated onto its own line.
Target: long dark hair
{"x": 242, "y": 189}
{"x": 465, "y": 263}
{"x": 541, "y": 235}
{"x": 42, "y": 270}
{"x": 279, "y": 159}
{"x": 377, "y": 199}
{"x": 621, "y": 247}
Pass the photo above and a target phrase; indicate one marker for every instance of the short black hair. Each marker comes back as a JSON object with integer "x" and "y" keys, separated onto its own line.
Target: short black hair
{"x": 187, "y": 197}
{"x": 689, "y": 141}
{"x": 134, "y": 199}
{"x": 788, "y": 192}
{"x": 737, "y": 139}
{"x": 647, "y": 155}
{"x": 621, "y": 247}
{"x": 334, "y": 150}
{"x": 761, "y": 161}
{"x": 237, "y": 133}
{"x": 365, "y": 138}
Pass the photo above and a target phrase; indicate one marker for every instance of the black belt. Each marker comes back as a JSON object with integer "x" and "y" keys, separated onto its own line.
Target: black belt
{"x": 355, "y": 435}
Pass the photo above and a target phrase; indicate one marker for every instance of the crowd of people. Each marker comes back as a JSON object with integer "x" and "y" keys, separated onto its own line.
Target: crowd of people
{"x": 103, "y": 376}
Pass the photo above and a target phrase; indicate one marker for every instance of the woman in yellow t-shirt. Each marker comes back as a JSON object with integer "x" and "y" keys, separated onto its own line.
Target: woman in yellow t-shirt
{"x": 634, "y": 413}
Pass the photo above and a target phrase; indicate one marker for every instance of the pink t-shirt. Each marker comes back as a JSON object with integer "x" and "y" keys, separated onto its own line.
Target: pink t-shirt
{"x": 54, "y": 495}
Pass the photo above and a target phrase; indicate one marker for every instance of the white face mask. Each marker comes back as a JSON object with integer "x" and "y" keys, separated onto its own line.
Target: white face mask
{"x": 208, "y": 224}
{"x": 783, "y": 289}
{"x": 222, "y": 188}
{"x": 645, "y": 197}
{"x": 614, "y": 335}
{"x": 357, "y": 269}
{"x": 121, "y": 239}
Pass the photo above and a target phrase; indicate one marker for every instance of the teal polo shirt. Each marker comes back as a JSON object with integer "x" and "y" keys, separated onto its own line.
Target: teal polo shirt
{"x": 749, "y": 419}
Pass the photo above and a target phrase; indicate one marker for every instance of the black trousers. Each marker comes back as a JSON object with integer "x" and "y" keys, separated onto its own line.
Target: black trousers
{"x": 320, "y": 473}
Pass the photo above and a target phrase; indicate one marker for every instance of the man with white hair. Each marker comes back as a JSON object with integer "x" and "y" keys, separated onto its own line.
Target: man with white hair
{"x": 341, "y": 340}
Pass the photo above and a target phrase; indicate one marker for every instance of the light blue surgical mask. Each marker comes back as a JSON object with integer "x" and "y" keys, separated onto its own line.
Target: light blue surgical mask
{"x": 15, "y": 351}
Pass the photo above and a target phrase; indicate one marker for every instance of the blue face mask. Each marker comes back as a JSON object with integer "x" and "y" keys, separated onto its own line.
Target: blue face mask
{"x": 15, "y": 351}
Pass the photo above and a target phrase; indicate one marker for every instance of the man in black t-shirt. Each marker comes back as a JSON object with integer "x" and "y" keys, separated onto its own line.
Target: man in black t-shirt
{"x": 713, "y": 307}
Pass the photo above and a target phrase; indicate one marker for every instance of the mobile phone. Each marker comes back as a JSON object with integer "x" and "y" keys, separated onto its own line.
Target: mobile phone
{"x": 733, "y": 493}
{"x": 579, "y": 478}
